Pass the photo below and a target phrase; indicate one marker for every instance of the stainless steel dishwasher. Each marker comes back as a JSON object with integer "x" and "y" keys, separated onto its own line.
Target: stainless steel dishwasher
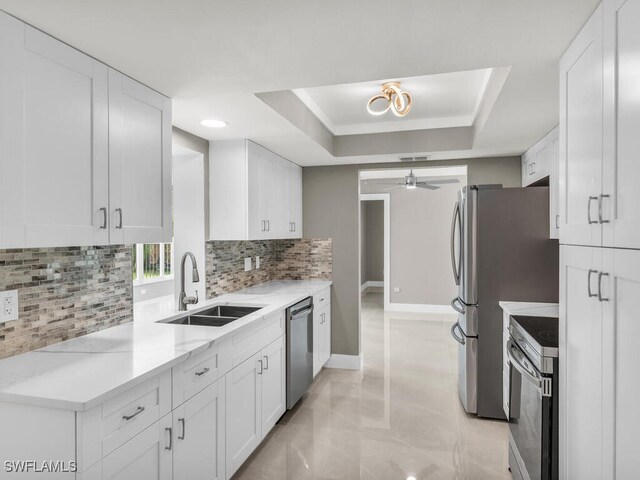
{"x": 299, "y": 350}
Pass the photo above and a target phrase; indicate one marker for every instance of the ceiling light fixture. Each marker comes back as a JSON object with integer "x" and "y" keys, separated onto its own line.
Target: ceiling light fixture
{"x": 213, "y": 123}
{"x": 397, "y": 100}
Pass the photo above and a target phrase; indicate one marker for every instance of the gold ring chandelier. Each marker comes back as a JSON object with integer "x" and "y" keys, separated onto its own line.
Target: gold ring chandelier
{"x": 397, "y": 100}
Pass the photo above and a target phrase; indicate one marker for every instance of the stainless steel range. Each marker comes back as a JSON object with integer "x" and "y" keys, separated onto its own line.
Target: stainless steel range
{"x": 533, "y": 429}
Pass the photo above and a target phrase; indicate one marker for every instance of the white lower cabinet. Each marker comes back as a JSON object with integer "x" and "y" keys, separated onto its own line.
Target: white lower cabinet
{"x": 599, "y": 384}
{"x": 243, "y": 392}
{"x": 198, "y": 432}
{"x": 255, "y": 400}
{"x": 147, "y": 456}
{"x": 321, "y": 337}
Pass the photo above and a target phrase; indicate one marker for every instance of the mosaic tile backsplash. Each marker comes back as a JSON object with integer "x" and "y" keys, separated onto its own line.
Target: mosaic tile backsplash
{"x": 64, "y": 293}
{"x": 303, "y": 259}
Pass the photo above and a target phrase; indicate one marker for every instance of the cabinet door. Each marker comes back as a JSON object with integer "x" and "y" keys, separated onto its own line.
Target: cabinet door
{"x": 147, "y": 456}
{"x": 554, "y": 192}
{"x": 274, "y": 393}
{"x": 139, "y": 162}
{"x": 198, "y": 427}
{"x": 581, "y": 368}
{"x": 622, "y": 383}
{"x": 295, "y": 200}
{"x": 54, "y": 152}
{"x": 269, "y": 176}
{"x": 243, "y": 412}
{"x": 317, "y": 318}
{"x": 581, "y": 130}
{"x": 256, "y": 223}
{"x": 526, "y": 170}
{"x": 622, "y": 124}
{"x": 543, "y": 159}
{"x": 324, "y": 340}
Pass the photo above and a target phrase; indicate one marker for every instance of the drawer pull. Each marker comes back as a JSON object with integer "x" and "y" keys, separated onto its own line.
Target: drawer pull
{"x": 133, "y": 415}
{"x": 202, "y": 372}
{"x": 170, "y": 446}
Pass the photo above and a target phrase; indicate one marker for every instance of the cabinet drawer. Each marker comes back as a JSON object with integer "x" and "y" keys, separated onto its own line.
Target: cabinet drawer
{"x": 106, "y": 427}
{"x": 245, "y": 344}
{"x": 195, "y": 374}
{"x": 322, "y": 299}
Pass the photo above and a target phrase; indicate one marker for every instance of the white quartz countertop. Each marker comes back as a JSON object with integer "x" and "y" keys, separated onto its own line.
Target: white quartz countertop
{"x": 81, "y": 373}
{"x": 531, "y": 309}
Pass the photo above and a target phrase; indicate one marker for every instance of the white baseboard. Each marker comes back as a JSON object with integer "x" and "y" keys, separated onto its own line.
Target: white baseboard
{"x": 371, "y": 283}
{"x": 419, "y": 308}
{"x": 349, "y": 362}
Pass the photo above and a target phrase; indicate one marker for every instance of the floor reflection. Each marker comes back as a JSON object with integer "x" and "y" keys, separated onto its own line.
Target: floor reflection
{"x": 399, "y": 418}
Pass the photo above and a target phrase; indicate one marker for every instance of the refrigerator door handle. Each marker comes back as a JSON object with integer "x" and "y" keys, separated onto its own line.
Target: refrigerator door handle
{"x": 457, "y": 306}
{"x": 456, "y": 220}
{"x": 460, "y": 340}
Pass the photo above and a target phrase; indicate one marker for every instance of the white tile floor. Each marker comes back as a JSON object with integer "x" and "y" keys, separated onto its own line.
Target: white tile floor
{"x": 399, "y": 418}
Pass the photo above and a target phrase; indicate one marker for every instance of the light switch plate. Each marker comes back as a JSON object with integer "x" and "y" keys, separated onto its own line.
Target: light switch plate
{"x": 396, "y": 289}
{"x": 257, "y": 262}
{"x": 247, "y": 264}
{"x": 8, "y": 306}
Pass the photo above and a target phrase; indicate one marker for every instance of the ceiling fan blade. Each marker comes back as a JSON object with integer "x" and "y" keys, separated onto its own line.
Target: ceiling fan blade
{"x": 439, "y": 182}
{"x": 428, "y": 187}
{"x": 392, "y": 188}
{"x": 395, "y": 184}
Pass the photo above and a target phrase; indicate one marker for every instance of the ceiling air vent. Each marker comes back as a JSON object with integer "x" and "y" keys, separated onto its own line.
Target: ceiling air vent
{"x": 423, "y": 158}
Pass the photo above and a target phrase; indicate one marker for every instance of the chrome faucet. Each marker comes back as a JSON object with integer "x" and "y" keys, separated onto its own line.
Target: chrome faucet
{"x": 184, "y": 300}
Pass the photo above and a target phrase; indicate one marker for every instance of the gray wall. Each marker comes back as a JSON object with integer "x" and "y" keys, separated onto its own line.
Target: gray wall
{"x": 331, "y": 209}
{"x": 420, "y": 237}
{"x": 372, "y": 253}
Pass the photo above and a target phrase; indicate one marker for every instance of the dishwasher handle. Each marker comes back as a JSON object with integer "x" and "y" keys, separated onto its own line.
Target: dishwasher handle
{"x": 302, "y": 312}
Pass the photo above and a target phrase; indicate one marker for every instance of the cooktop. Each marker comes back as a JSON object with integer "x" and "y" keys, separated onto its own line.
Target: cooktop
{"x": 541, "y": 333}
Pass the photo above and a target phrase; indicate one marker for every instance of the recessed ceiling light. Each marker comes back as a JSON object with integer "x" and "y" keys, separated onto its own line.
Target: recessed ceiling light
{"x": 213, "y": 123}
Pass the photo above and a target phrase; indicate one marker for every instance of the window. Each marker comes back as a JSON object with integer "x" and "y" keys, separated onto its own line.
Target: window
{"x": 152, "y": 262}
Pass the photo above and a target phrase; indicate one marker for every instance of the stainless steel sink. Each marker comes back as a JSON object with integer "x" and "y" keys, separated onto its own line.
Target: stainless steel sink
{"x": 217, "y": 316}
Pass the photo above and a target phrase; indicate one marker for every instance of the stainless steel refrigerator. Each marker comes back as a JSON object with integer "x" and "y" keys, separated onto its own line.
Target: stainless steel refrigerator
{"x": 500, "y": 250}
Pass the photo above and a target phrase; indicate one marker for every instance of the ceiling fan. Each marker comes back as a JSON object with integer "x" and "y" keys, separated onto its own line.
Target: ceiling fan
{"x": 411, "y": 182}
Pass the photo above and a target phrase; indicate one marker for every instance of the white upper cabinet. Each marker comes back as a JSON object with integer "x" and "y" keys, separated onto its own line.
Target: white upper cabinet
{"x": 621, "y": 167}
{"x": 599, "y": 121}
{"x": 139, "y": 162}
{"x": 539, "y": 167}
{"x": 54, "y": 153}
{"x": 295, "y": 201}
{"x": 254, "y": 193}
{"x": 581, "y": 130}
{"x": 81, "y": 145}
{"x": 537, "y": 162}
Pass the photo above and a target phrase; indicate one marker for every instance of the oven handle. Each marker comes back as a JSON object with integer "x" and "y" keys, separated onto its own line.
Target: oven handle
{"x": 524, "y": 371}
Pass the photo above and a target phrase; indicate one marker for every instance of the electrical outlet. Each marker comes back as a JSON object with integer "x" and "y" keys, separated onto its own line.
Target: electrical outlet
{"x": 9, "y": 305}
{"x": 257, "y": 262}
{"x": 247, "y": 264}
{"x": 396, "y": 289}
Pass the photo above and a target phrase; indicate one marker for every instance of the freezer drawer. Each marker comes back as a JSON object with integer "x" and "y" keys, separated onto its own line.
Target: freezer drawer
{"x": 467, "y": 369}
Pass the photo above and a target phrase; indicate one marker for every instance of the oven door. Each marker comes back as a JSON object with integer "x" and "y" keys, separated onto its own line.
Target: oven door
{"x": 530, "y": 423}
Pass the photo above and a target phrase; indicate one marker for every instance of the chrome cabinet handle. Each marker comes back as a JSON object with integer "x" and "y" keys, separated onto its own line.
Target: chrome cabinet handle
{"x": 458, "y": 339}
{"x": 119, "y": 211}
{"x": 170, "y": 446}
{"x": 557, "y": 221}
{"x": 268, "y": 225}
{"x": 133, "y": 415}
{"x": 589, "y": 210}
{"x": 202, "y": 372}
{"x": 261, "y": 368}
{"x": 184, "y": 429}
{"x": 295, "y": 227}
{"x": 600, "y": 202}
{"x": 457, "y": 306}
{"x": 266, "y": 362}
{"x": 600, "y": 297}
{"x": 263, "y": 225}
{"x": 591, "y": 272}
{"x": 104, "y": 218}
